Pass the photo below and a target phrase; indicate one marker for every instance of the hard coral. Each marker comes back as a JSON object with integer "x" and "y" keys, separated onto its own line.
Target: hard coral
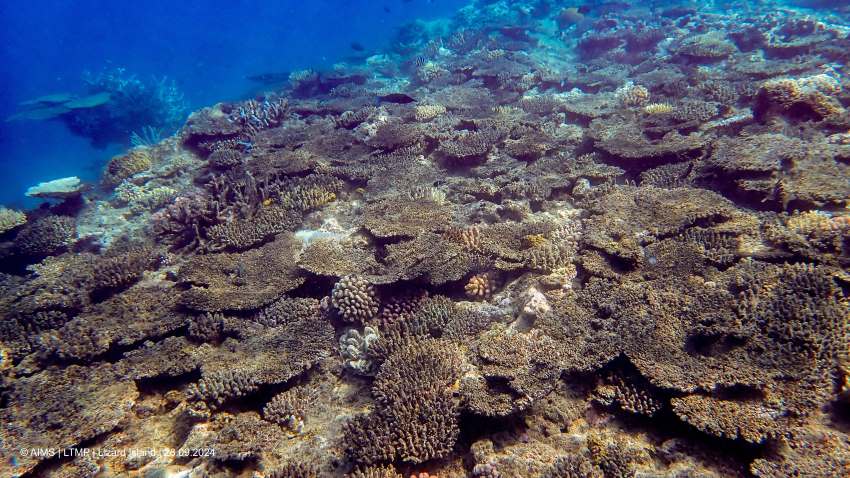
{"x": 355, "y": 299}
{"x": 288, "y": 409}
{"x": 46, "y": 236}
{"x": 416, "y": 417}
{"x": 818, "y": 93}
{"x": 122, "y": 167}
{"x": 480, "y": 286}
{"x": 10, "y": 219}
{"x": 243, "y": 281}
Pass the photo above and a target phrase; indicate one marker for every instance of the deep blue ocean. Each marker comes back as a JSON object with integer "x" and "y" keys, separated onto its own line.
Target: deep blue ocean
{"x": 207, "y": 47}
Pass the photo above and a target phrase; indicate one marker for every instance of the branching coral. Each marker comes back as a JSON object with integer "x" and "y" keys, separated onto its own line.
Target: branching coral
{"x": 10, "y": 219}
{"x": 46, "y": 236}
{"x": 416, "y": 418}
{"x": 355, "y": 299}
{"x": 288, "y": 409}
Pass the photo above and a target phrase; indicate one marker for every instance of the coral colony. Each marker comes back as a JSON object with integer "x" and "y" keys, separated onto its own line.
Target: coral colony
{"x": 531, "y": 241}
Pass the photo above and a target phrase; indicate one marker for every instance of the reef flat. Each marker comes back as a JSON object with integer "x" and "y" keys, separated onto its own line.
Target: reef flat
{"x": 528, "y": 241}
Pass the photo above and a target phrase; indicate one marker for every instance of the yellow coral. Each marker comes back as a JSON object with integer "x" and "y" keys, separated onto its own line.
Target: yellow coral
{"x": 632, "y": 95}
{"x": 10, "y": 219}
{"x": 535, "y": 240}
{"x": 428, "y": 112}
{"x": 480, "y": 286}
{"x": 657, "y": 109}
{"x": 124, "y": 166}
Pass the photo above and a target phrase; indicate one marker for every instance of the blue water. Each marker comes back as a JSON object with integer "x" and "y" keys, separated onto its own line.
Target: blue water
{"x": 206, "y": 46}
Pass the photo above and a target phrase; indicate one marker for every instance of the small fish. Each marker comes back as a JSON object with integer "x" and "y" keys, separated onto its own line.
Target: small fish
{"x": 270, "y": 78}
{"x": 387, "y": 9}
{"x": 399, "y": 98}
{"x": 357, "y": 46}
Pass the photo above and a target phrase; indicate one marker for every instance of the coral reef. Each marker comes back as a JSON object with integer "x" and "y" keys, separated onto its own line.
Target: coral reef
{"x": 533, "y": 240}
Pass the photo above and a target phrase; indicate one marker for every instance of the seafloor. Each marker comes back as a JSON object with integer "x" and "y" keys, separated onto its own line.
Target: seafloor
{"x": 524, "y": 242}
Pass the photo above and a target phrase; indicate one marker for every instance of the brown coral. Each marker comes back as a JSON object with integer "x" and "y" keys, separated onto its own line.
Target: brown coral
{"x": 355, "y": 299}
{"x": 248, "y": 280}
{"x": 480, "y": 286}
{"x": 122, "y": 167}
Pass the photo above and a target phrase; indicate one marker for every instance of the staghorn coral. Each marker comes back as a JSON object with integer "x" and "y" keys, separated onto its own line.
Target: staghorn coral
{"x": 355, "y": 299}
{"x": 10, "y": 219}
